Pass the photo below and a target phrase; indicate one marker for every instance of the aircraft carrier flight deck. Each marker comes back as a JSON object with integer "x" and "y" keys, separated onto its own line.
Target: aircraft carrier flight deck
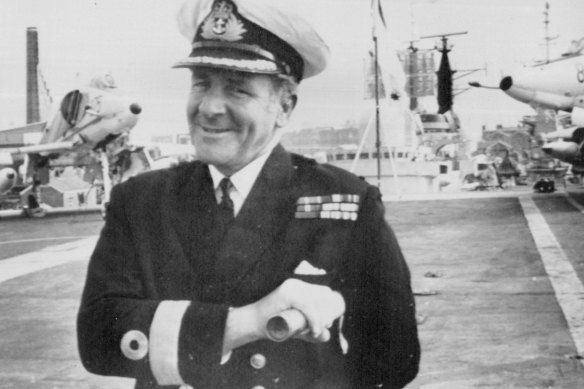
{"x": 498, "y": 279}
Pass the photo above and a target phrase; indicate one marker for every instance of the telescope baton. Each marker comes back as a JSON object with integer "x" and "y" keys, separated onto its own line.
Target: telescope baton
{"x": 291, "y": 321}
{"x": 288, "y": 323}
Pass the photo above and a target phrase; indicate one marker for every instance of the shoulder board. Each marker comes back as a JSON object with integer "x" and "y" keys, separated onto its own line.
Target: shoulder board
{"x": 299, "y": 160}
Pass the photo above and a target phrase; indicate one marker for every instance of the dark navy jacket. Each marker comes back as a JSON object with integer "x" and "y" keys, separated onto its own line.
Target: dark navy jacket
{"x": 159, "y": 243}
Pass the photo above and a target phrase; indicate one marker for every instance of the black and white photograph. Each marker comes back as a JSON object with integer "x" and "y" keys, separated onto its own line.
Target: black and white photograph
{"x": 291, "y": 194}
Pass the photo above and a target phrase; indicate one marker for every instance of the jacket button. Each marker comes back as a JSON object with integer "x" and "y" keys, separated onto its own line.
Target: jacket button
{"x": 257, "y": 361}
{"x": 259, "y": 387}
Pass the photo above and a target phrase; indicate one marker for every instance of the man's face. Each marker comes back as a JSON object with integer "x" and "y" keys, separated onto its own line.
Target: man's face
{"x": 233, "y": 116}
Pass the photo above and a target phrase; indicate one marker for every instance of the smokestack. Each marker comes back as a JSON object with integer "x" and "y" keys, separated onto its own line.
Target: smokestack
{"x": 32, "y": 84}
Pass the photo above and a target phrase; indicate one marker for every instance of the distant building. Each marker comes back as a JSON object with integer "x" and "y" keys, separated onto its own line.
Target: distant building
{"x": 181, "y": 139}
{"x": 163, "y": 139}
{"x": 515, "y": 141}
{"x": 310, "y": 140}
{"x": 542, "y": 122}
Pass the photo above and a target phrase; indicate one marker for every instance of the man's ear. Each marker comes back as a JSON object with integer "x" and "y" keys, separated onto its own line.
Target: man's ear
{"x": 287, "y": 108}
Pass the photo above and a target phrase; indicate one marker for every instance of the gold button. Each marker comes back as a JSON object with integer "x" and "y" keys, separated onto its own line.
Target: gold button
{"x": 258, "y": 387}
{"x": 257, "y": 361}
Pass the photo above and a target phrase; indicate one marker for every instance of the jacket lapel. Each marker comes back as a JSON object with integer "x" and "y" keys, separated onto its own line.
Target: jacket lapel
{"x": 268, "y": 208}
{"x": 191, "y": 211}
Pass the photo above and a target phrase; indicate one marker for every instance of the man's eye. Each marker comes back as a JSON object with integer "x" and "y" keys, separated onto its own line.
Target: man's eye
{"x": 199, "y": 84}
{"x": 238, "y": 91}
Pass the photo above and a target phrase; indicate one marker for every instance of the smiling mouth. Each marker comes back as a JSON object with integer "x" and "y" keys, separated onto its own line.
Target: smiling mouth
{"x": 215, "y": 130}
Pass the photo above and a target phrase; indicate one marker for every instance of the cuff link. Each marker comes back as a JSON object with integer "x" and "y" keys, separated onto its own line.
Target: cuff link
{"x": 134, "y": 345}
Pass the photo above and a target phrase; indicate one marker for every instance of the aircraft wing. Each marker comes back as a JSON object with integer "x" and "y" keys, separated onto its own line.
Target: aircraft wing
{"x": 16, "y": 138}
{"x": 55, "y": 147}
{"x": 6, "y": 154}
{"x": 32, "y": 127}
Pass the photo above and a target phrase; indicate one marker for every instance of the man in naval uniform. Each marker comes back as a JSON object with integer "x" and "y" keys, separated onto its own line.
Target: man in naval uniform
{"x": 194, "y": 261}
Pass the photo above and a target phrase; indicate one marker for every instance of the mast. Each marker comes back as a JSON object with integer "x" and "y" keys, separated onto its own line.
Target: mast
{"x": 547, "y": 38}
{"x": 412, "y": 50}
{"x": 444, "y": 73}
{"x": 411, "y": 54}
{"x": 377, "y": 122}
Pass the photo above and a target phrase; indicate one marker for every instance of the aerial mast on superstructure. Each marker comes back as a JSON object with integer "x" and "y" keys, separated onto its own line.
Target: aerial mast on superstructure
{"x": 547, "y": 37}
{"x": 445, "y": 72}
{"x": 412, "y": 50}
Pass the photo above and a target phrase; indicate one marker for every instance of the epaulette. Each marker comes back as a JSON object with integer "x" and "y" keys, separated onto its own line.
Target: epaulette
{"x": 298, "y": 160}
{"x": 333, "y": 206}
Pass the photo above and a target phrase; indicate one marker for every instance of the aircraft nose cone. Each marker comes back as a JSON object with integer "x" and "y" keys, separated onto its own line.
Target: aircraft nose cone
{"x": 135, "y": 108}
{"x": 506, "y": 83}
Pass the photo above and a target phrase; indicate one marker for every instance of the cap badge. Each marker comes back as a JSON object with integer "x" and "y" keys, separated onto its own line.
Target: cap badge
{"x": 222, "y": 23}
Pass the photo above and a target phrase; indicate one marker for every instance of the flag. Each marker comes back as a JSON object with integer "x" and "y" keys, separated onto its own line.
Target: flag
{"x": 391, "y": 72}
{"x": 369, "y": 77}
{"x": 377, "y": 18}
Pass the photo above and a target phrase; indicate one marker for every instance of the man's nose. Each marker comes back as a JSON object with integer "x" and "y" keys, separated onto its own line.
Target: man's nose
{"x": 212, "y": 103}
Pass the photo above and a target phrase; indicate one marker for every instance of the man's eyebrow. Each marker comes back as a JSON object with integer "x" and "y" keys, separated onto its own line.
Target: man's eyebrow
{"x": 200, "y": 74}
{"x": 237, "y": 79}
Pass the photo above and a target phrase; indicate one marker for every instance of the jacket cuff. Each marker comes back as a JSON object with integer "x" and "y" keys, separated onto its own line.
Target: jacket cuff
{"x": 164, "y": 342}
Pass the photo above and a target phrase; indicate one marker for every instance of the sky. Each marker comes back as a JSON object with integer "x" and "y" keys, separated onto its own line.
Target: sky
{"x": 138, "y": 42}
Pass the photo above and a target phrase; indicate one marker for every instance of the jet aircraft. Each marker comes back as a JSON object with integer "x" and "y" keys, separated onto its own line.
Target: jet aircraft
{"x": 81, "y": 132}
{"x": 556, "y": 85}
{"x": 87, "y": 119}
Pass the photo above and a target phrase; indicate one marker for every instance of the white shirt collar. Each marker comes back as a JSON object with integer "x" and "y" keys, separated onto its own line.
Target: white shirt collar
{"x": 244, "y": 179}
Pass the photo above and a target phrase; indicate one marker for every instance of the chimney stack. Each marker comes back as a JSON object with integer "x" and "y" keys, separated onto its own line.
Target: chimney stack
{"x": 32, "y": 83}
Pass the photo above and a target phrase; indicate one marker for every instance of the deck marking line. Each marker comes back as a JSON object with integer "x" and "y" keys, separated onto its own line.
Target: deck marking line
{"x": 568, "y": 289}
{"x": 44, "y": 239}
{"x": 48, "y": 257}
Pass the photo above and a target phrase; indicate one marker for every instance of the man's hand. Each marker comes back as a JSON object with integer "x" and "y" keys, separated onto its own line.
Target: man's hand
{"x": 319, "y": 305}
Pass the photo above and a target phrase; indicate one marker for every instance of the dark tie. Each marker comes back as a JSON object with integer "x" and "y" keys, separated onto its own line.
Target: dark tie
{"x": 225, "y": 214}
